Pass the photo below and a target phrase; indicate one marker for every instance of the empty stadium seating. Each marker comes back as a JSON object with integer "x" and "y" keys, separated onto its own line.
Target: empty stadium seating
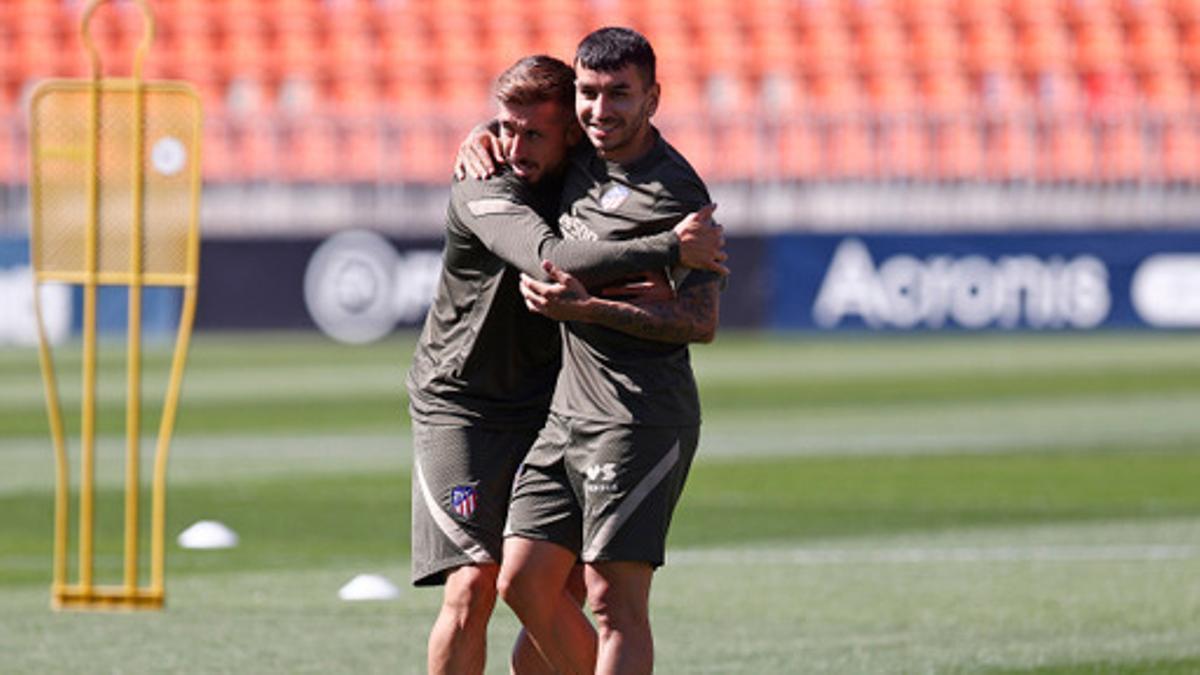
{"x": 1004, "y": 90}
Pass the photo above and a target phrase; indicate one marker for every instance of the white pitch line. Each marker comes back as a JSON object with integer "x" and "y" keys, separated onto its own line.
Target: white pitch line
{"x": 919, "y": 555}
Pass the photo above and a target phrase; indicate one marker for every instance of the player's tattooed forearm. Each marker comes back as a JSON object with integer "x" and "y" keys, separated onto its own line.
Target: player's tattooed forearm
{"x": 691, "y": 317}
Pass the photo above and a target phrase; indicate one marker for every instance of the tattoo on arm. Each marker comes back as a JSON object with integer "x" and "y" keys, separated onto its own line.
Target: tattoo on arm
{"x": 690, "y": 317}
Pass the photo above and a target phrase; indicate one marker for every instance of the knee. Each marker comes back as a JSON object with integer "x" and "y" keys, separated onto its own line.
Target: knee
{"x": 514, "y": 587}
{"x": 615, "y": 608}
{"x": 470, "y": 593}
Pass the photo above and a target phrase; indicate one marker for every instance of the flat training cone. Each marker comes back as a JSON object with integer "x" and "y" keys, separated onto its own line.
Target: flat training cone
{"x": 369, "y": 587}
{"x": 208, "y": 534}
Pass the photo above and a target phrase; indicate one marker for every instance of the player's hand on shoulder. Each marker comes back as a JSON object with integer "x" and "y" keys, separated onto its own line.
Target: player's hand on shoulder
{"x": 480, "y": 154}
{"x": 702, "y": 241}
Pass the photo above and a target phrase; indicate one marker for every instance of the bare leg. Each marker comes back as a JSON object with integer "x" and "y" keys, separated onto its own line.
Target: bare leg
{"x": 458, "y": 641}
{"x": 619, "y": 595}
{"x": 533, "y": 581}
{"x": 526, "y": 658}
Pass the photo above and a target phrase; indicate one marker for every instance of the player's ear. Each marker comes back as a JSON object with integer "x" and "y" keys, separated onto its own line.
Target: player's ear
{"x": 655, "y": 92}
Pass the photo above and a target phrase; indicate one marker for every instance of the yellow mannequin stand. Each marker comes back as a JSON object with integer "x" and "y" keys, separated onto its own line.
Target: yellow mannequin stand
{"x": 114, "y": 195}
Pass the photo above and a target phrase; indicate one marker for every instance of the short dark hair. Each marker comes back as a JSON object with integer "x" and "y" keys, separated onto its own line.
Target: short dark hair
{"x": 536, "y": 79}
{"x": 614, "y": 47}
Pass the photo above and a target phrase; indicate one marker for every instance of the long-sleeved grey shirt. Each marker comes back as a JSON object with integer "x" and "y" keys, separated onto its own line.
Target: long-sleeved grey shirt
{"x": 483, "y": 358}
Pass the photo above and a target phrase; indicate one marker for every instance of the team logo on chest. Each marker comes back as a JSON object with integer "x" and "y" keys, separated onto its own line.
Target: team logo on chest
{"x": 614, "y": 197}
{"x": 463, "y": 499}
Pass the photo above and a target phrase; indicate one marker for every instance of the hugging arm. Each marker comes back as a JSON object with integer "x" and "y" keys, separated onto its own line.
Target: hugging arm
{"x": 503, "y": 219}
{"x": 691, "y": 316}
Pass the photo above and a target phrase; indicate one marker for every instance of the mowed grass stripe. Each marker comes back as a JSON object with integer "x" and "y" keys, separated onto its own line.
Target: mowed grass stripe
{"x": 1050, "y": 425}
{"x": 315, "y": 413}
{"x": 800, "y": 499}
{"x": 730, "y": 397}
{"x": 309, "y": 519}
{"x": 310, "y": 383}
{"x": 753, "y": 356}
{"x": 226, "y": 383}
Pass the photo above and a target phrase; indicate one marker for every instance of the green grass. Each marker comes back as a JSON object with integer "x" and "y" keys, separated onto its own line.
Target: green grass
{"x": 970, "y": 504}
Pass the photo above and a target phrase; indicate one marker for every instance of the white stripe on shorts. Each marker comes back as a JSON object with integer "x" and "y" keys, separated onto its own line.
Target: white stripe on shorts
{"x": 447, "y": 525}
{"x": 617, "y": 518}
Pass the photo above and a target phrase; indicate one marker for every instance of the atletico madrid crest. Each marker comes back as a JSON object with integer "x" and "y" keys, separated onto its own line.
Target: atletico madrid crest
{"x": 463, "y": 498}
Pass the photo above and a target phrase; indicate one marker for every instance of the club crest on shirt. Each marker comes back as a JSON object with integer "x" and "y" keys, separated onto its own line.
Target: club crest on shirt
{"x": 614, "y": 197}
{"x": 464, "y": 498}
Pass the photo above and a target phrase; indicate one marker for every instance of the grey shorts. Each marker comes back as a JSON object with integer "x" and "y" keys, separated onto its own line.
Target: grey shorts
{"x": 461, "y": 481}
{"x": 604, "y": 491}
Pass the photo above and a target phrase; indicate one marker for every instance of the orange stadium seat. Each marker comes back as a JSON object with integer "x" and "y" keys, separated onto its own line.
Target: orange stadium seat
{"x": 192, "y": 45}
{"x": 945, "y": 93}
{"x": 1166, "y": 93}
{"x": 1153, "y": 44}
{"x": 465, "y": 90}
{"x": 310, "y": 149}
{"x": 900, "y": 139}
{"x": 353, "y": 93}
{"x": 956, "y": 149}
{"x": 299, "y": 46}
{"x": 799, "y": 155}
{"x": 361, "y": 158}
{"x": 695, "y": 143}
{"x": 12, "y": 157}
{"x": 1057, "y": 92}
{"x": 923, "y": 11}
{"x": 1109, "y": 93}
{"x": 559, "y": 35}
{"x": 1044, "y": 46}
{"x": 423, "y": 153}
{"x": 10, "y": 92}
{"x": 849, "y": 151}
{"x": 903, "y": 148}
{"x": 989, "y": 45}
{"x": 1190, "y": 48}
{"x": 935, "y": 46}
{"x": 508, "y": 38}
{"x": 1180, "y": 152}
{"x": 1002, "y": 92}
{"x": 825, "y": 46}
{"x": 220, "y": 163}
{"x": 1010, "y": 150}
{"x": 880, "y": 46}
{"x": 256, "y": 149}
{"x": 409, "y": 93}
{"x": 774, "y": 48}
{"x": 1099, "y": 47}
{"x": 1122, "y": 150}
{"x": 1069, "y": 151}
{"x": 737, "y": 150}
{"x": 406, "y": 45}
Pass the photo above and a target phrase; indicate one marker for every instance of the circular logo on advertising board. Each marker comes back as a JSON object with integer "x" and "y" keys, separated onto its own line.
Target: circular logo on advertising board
{"x": 348, "y": 286}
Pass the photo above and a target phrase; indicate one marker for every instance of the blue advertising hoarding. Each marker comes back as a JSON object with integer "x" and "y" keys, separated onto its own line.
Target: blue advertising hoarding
{"x": 62, "y": 305}
{"x": 358, "y": 286}
{"x": 1032, "y": 281}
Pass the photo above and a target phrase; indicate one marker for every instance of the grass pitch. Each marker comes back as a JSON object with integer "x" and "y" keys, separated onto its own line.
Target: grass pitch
{"x": 967, "y": 504}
